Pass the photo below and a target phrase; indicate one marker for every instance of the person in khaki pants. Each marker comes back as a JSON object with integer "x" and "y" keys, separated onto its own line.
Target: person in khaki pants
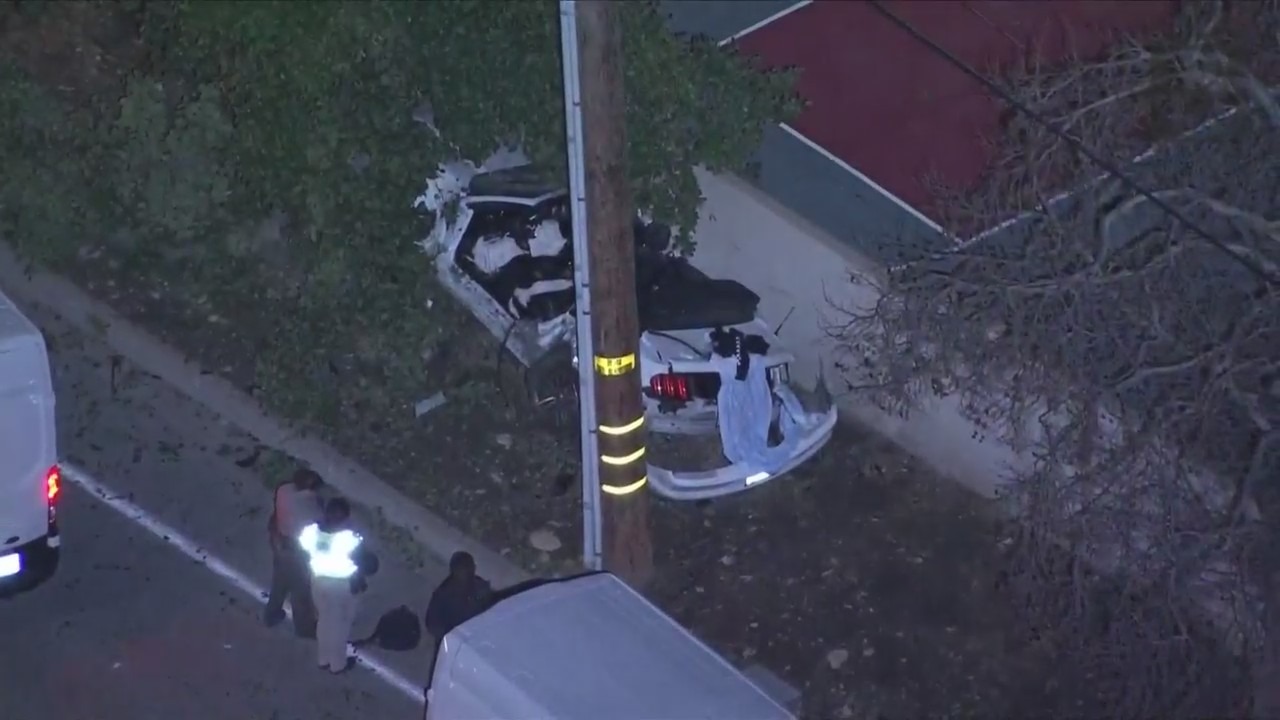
{"x": 340, "y": 565}
{"x": 297, "y": 505}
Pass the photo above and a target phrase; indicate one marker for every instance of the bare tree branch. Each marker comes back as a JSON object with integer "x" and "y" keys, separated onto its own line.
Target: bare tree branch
{"x": 1133, "y": 363}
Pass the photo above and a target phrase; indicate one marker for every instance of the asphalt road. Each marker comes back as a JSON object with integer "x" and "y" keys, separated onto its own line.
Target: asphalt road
{"x": 132, "y": 627}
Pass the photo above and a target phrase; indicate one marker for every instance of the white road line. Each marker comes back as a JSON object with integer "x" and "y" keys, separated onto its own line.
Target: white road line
{"x": 1147, "y": 154}
{"x": 818, "y": 148}
{"x": 767, "y": 21}
{"x": 868, "y": 181}
{"x": 960, "y": 243}
{"x": 237, "y": 579}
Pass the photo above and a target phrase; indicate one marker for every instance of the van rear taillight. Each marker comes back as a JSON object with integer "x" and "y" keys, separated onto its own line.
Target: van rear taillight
{"x": 53, "y": 484}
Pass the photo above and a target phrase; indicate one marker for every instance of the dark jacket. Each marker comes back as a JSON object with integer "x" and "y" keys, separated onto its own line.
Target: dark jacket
{"x": 367, "y": 565}
{"x": 454, "y": 602}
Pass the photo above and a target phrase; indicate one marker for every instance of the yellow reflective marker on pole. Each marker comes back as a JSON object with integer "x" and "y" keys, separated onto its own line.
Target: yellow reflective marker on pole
{"x": 622, "y": 459}
{"x": 616, "y": 430}
{"x": 613, "y": 366}
{"x": 625, "y": 489}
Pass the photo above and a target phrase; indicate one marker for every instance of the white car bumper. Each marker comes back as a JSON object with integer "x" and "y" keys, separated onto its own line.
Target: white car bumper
{"x": 706, "y": 484}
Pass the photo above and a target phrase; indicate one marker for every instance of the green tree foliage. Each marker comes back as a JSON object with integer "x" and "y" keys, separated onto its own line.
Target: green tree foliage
{"x": 168, "y": 167}
{"x": 49, "y": 194}
{"x": 314, "y": 85}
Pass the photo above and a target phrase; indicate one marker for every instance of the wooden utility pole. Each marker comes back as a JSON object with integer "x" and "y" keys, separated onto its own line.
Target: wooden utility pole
{"x": 615, "y": 325}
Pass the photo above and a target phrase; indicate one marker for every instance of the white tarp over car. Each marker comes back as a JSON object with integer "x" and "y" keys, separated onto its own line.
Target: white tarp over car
{"x": 747, "y": 408}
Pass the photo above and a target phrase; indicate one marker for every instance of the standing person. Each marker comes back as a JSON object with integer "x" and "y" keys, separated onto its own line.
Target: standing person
{"x": 297, "y": 505}
{"x": 459, "y": 597}
{"x": 340, "y": 566}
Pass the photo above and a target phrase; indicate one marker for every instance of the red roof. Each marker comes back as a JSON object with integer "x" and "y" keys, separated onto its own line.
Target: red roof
{"x": 887, "y": 105}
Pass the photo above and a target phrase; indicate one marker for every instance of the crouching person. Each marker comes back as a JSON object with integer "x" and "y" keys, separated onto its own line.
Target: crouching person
{"x": 462, "y": 595}
{"x": 340, "y": 566}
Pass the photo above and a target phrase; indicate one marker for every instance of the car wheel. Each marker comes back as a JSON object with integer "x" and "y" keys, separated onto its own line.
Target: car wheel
{"x": 553, "y": 388}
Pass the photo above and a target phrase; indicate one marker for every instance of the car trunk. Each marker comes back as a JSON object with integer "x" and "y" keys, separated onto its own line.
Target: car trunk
{"x": 673, "y": 295}
{"x": 684, "y": 354}
{"x": 689, "y": 382}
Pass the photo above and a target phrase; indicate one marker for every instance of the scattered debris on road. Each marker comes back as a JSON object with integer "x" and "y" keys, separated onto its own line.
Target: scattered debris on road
{"x": 425, "y": 406}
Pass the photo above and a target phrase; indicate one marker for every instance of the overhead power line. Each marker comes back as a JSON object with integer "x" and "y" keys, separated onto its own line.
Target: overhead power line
{"x": 1109, "y": 166}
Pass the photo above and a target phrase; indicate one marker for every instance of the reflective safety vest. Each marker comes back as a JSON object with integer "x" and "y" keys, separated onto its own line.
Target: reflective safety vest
{"x": 330, "y": 554}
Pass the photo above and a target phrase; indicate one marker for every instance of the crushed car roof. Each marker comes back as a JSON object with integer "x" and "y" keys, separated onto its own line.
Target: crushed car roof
{"x": 525, "y": 183}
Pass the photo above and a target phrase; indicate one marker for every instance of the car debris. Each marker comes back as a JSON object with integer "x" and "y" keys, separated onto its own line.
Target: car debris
{"x": 425, "y": 406}
{"x": 502, "y": 245}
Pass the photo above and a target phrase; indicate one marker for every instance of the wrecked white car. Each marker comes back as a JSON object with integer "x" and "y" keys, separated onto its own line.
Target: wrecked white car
{"x": 503, "y": 246}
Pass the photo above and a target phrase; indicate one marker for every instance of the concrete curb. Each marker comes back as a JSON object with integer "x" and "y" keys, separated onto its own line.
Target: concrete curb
{"x": 435, "y": 535}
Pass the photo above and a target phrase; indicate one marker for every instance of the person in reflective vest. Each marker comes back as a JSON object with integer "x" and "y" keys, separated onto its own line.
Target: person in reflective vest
{"x": 340, "y": 564}
{"x": 296, "y": 506}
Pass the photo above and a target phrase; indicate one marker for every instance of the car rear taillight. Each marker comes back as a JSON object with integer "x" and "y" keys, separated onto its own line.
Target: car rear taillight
{"x": 686, "y": 387}
{"x": 671, "y": 386}
{"x": 53, "y": 484}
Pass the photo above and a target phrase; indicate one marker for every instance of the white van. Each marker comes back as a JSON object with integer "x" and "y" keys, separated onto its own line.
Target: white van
{"x": 30, "y": 483}
{"x": 586, "y": 648}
